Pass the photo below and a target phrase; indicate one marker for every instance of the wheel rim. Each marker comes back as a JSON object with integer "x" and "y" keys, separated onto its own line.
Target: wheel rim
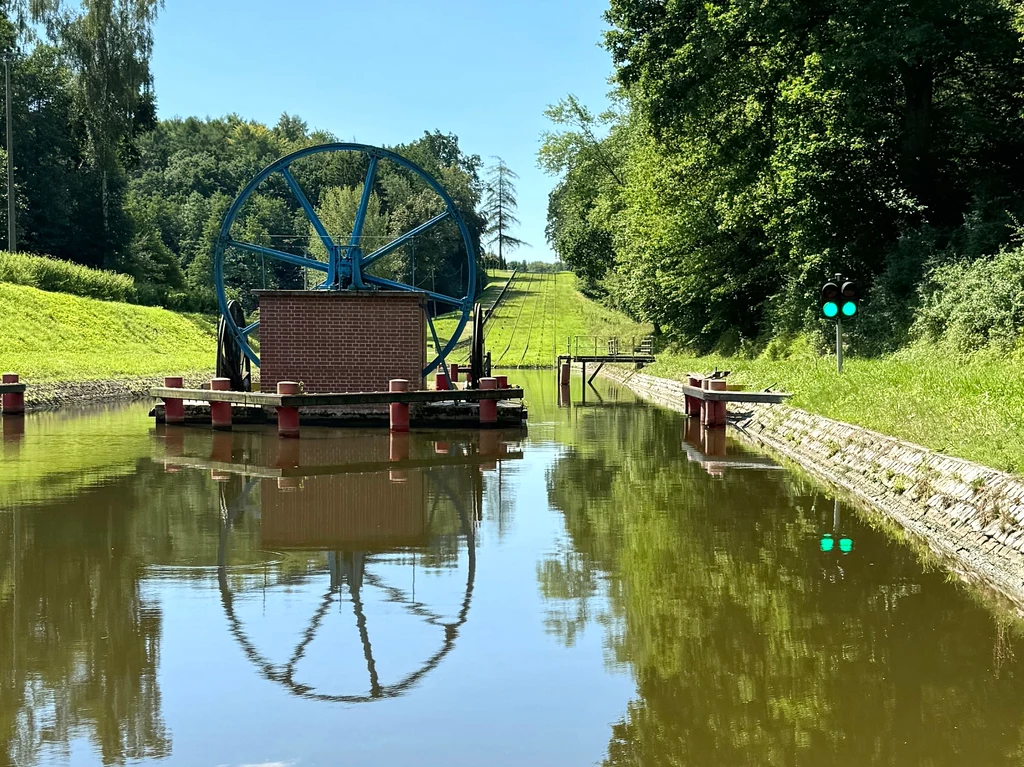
{"x": 346, "y": 262}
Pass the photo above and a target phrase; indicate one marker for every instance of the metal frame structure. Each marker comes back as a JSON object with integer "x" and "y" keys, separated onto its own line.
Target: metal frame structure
{"x": 346, "y": 263}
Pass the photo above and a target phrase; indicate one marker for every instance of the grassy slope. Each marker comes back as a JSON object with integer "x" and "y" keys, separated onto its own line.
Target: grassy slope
{"x": 55, "y": 336}
{"x": 973, "y": 408}
{"x": 539, "y": 313}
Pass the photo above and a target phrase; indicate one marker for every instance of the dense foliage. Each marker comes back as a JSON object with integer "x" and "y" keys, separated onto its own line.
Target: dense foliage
{"x": 754, "y": 150}
{"x": 101, "y": 182}
{"x": 58, "y": 276}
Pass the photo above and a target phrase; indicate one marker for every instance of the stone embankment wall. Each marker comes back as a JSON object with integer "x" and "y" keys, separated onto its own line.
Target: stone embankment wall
{"x": 971, "y": 515}
{"x": 52, "y": 395}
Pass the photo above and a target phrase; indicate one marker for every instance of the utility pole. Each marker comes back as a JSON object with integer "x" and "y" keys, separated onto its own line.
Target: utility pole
{"x": 839, "y": 346}
{"x": 12, "y": 231}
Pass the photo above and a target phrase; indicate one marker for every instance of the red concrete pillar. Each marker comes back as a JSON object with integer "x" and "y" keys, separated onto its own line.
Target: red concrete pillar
{"x": 713, "y": 413}
{"x": 220, "y": 412}
{"x": 488, "y": 407}
{"x": 288, "y": 417}
{"x": 502, "y": 382}
{"x": 441, "y": 382}
{"x": 14, "y": 403}
{"x": 692, "y": 403}
{"x": 454, "y": 370}
{"x": 174, "y": 407}
{"x": 399, "y": 410}
{"x": 563, "y": 374}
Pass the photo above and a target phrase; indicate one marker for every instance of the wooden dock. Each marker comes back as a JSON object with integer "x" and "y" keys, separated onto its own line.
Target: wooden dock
{"x": 344, "y": 399}
{"x": 433, "y": 408}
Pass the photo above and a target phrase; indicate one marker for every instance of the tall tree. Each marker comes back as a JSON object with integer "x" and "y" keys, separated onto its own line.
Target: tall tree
{"x": 109, "y": 45}
{"x": 500, "y": 209}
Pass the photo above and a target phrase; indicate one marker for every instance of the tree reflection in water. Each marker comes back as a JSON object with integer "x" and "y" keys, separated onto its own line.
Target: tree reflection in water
{"x": 748, "y": 644}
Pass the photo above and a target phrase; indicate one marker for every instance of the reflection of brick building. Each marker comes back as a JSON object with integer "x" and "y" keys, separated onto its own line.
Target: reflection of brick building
{"x": 364, "y": 512}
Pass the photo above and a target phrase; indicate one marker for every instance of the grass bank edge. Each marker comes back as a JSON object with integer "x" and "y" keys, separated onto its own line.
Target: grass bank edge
{"x": 970, "y": 406}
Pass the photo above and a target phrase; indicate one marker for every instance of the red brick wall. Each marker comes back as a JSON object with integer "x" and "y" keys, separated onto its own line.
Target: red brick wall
{"x": 338, "y": 341}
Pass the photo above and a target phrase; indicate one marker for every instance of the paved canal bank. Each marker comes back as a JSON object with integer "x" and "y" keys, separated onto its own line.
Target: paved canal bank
{"x": 589, "y": 592}
{"x": 972, "y": 516}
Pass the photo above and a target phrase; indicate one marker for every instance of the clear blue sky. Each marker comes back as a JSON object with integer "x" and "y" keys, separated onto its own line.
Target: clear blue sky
{"x": 383, "y": 72}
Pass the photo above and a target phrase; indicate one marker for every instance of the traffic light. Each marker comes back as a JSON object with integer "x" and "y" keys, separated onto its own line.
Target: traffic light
{"x": 850, "y": 305}
{"x": 830, "y": 296}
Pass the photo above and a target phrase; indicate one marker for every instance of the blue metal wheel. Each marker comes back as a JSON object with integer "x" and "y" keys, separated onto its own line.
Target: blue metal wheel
{"x": 347, "y": 262}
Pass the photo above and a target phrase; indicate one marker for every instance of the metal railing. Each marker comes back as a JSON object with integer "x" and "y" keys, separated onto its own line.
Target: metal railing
{"x": 596, "y": 345}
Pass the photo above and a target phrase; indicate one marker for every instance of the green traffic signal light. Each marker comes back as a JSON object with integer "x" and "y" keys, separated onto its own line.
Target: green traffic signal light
{"x": 827, "y": 543}
{"x": 849, "y": 309}
{"x": 845, "y": 545}
{"x": 830, "y": 300}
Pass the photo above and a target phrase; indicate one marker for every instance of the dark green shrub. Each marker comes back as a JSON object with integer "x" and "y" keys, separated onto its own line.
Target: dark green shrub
{"x": 59, "y": 276}
{"x": 975, "y": 304}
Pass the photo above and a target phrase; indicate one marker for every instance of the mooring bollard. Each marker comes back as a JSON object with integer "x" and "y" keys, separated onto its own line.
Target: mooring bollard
{"x": 563, "y": 374}
{"x": 692, "y": 403}
{"x": 713, "y": 413}
{"x": 14, "y": 402}
{"x": 453, "y": 369}
{"x": 488, "y": 407}
{"x": 174, "y": 407}
{"x": 287, "y": 417}
{"x": 502, "y": 382}
{"x": 399, "y": 410}
{"x": 220, "y": 412}
{"x": 441, "y": 382}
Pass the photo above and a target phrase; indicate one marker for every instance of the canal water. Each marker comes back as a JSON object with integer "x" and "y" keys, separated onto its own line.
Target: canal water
{"x": 607, "y": 588}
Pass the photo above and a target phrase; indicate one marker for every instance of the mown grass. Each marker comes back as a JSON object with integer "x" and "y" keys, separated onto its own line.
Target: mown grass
{"x": 542, "y": 314}
{"x": 968, "y": 406}
{"x": 65, "y": 277}
{"x": 54, "y": 336}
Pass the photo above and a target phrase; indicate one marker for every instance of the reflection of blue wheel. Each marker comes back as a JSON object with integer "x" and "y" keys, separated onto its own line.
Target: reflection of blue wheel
{"x": 346, "y": 264}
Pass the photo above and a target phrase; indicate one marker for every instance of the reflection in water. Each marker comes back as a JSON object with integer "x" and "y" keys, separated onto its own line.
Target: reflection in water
{"x": 357, "y": 518}
{"x": 751, "y": 641}
{"x": 80, "y": 643}
{"x": 164, "y": 594}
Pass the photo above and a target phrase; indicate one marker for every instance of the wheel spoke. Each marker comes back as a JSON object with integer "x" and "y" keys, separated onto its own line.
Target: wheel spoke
{"x": 250, "y": 328}
{"x": 437, "y": 348}
{"x": 357, "y": 227}
{"x": 409, "y": 288}
{"x": 314, "y": 219}
{"x": 288, "y": 258}
{"x": 395, "y": 244}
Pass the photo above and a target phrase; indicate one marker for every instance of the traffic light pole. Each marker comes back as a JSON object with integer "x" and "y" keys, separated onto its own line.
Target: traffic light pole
{"x": 839, "y": 345}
